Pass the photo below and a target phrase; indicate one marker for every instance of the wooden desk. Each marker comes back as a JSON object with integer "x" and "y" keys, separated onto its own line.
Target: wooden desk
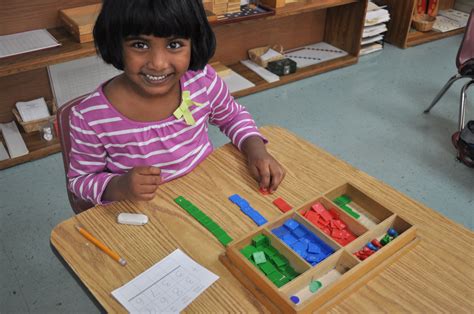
{"x": 435, "y": 276}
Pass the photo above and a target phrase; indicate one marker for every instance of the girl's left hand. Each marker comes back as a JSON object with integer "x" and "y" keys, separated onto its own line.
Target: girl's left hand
{"x": 263, "y": 167}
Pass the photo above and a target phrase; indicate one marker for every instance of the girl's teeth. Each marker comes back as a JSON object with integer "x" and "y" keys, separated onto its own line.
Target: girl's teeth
{"x": 155, "y": 78}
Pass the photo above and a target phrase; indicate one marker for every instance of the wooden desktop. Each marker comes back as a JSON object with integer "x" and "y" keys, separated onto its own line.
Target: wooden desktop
{"x": 436, "y": 275}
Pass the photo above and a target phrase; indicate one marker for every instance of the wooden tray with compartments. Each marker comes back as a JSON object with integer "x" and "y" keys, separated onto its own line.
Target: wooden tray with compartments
{"x": 339, "y": 272}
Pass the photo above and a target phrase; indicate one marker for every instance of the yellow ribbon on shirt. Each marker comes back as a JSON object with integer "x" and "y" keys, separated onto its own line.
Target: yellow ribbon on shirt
{"x": 183, "y": 109}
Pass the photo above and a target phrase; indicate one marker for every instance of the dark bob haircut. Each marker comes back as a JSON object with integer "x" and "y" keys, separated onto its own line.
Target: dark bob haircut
{"x": 120, "y": 19}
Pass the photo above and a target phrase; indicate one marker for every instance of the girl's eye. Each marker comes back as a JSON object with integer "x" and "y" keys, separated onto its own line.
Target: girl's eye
{"x": 175, "y": 45}
{"x": 140, "y": 45}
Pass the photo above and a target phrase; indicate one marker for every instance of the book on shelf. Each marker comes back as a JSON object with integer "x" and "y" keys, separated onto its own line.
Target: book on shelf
{"x": 374, "y": 28}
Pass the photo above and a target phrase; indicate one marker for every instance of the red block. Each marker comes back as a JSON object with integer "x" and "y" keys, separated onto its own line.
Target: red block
{"x": 320, "y": 209}
{"x": 337, "y": 234}
{"x": 334, "y": 214}
{"x": 323, "y": 221}
{"x": 312, "y": 216}
{"x": 339, "y": 224}
{"x": 282, "y": 205}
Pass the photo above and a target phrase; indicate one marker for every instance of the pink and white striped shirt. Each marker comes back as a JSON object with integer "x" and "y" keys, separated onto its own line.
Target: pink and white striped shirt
{"x": 104, "y": 143}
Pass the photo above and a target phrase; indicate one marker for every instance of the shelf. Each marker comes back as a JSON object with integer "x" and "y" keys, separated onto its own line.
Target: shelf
{"x": 416, "y": 38}
{"x": 69, "y": 50}
{"x": 72, "y": 50}
{"x": 261, "y": 84}
{"x": 400, "y": 32}
{"x": 308, "y": 5}
{"x": 38, "y": 149}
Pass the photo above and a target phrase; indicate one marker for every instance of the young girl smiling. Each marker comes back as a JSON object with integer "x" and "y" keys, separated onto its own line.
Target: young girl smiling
{"x": 149, "y": 125}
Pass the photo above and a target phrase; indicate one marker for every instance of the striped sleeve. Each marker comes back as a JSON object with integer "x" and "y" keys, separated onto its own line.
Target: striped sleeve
{"x": 86, "y": 175}
{"x": 231, "y": 118}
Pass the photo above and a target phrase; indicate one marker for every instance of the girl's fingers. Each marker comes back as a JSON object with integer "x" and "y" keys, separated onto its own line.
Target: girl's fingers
{"x": 147, "y": 189}
{"x": 278, "y": 174}
{"x": 265, "y": 176}
{"x": 150, "y": 180}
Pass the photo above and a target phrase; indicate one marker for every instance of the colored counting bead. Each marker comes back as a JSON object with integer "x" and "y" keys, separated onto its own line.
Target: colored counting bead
{"x": 386, "y": 239}
{"x": 295, "y": 299}
{"x": 392, "y": 232}
{"x": 314, "y": 286}
{"x": 372, "y": 247}
{"x": 376, "y": 243}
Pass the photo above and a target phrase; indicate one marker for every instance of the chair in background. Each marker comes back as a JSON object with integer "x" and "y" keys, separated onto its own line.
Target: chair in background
{"x": 62, "y": 116}
{"x": 465, "y": 65}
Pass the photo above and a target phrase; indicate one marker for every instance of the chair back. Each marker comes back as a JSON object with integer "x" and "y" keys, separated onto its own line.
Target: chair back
{"x": 465, "y": 57}
{"x": 62, "y": 117}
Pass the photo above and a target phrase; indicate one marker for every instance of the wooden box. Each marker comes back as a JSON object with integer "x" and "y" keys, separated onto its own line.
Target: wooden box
{"x": 80, "y": 21}
{"x": 35, "y": 125}
{"x": 342, "y": 268}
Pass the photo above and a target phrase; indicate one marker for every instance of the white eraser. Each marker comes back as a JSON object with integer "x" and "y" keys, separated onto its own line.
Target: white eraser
{"x": 132, "y": 219}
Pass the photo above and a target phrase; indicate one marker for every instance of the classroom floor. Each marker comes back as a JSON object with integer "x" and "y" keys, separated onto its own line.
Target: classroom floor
{"x": 369, "y": 114}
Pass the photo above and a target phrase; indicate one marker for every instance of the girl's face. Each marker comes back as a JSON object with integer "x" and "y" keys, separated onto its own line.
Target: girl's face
{"x": 154, "y": 65}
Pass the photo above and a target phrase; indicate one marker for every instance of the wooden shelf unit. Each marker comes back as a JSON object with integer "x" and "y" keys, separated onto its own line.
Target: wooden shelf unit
{"x": 400, "y": 32}
{"x": 337, "y": 22}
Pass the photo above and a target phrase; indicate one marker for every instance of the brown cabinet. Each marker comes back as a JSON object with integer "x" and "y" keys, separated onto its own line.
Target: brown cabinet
{"x": 24, "y": 77}
{"x": 399, "y": 28}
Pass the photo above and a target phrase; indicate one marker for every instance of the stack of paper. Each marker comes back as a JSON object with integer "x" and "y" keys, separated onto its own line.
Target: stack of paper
{"x": 15, "y": 144}
{"x": 448, "y": 20}
{"x": 374, "y": 27}
{"x": 32, "y": 110}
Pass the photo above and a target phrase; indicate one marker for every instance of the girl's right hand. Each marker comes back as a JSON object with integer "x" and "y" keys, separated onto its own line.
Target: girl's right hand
{"x": 139, "y": 184}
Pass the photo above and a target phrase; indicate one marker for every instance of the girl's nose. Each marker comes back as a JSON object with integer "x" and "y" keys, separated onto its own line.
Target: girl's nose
{"x": 158, "y": 59}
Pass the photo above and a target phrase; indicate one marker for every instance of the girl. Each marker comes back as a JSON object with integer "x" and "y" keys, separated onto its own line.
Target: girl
{"x": 149, "y": 124}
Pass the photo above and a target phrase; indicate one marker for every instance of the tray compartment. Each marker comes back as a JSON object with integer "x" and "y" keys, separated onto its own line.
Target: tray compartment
{"x": 359, "y": 205}
{"x": 329, "y": 224}
{"x": 327, "y": 275}
{"x": 404, "y": 230}
{"x": 294, "y": 232}
{"x": 279, "y": 265}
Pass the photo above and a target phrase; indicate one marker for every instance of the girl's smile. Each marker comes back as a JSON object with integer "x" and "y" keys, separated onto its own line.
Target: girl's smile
{"x": 157, "y": 79}
{"x": 153, "y": 65}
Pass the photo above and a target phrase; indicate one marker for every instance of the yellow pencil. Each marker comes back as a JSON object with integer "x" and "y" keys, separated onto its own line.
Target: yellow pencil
{"x": 101, "y": 246}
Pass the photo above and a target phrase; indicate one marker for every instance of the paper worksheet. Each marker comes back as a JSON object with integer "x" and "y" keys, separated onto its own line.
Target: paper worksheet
{"x": 25, "y": 42}
{"x": 167, "y": 287}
